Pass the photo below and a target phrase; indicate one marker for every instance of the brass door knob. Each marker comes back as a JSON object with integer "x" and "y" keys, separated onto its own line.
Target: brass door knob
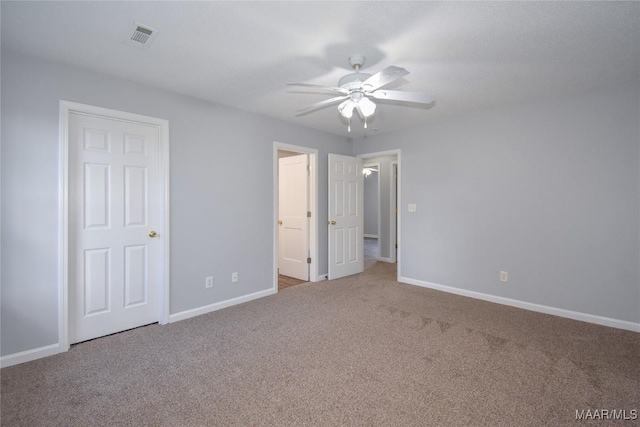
{"x": 153, "y": 234}
{"x": 280, "y": 221}
{"x": 332, "y": 222}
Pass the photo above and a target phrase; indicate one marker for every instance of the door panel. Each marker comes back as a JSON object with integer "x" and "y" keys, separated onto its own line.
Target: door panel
{"x": 135, "y": 278}
{"x": 345, "y": 216}
{"x": 114, "y": 203}
{"x": 96, "y": 195}
{"x": 135, "y": 196}
{"x": 96, "y": 281}
{"x": 293, "y": 205}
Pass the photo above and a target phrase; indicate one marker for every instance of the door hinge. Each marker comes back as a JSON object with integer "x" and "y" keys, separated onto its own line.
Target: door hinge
{"x": 396, "y": 246}
{"x": 396, "y": 210}
{"x": 309, "y": 260}
{"x": 308, "y": 214}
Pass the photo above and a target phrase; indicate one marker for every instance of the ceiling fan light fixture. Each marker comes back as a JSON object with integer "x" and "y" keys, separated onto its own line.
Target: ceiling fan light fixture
{"x": 346, "y": 108}
{"x": 366, "y": 107}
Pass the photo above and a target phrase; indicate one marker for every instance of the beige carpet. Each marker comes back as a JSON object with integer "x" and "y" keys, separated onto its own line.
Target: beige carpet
{"x": 363, "y": 350}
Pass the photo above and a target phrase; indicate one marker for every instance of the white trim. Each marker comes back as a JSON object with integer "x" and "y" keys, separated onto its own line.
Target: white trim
{"x": 66, "y": 108}
{"x": 575, "y": 315}
{"x": 187, "y": 314}
{"x": 29, "y": 355}
{"x": 63, "y": 227}
{"x": 313, "y": 207}
{"x": 383, "y": 259}
{"x": 371, "y": 236}
{"x": 393, "y": 212}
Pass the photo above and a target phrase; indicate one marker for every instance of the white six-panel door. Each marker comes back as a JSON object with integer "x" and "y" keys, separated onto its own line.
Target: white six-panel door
{"x": 293, "y": 205}
{"x": 114, "y": 202}
{"x": 346, "y": 220}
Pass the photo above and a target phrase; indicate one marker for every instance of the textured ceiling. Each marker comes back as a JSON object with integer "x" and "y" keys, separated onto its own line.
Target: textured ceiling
{"x": 471, "y": 55}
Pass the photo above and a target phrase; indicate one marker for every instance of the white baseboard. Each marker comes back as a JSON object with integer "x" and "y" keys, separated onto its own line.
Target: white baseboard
{"x": 371, "y": 236}
{"x": 219, "y": 305}
{"x": 383, "y": 259}
{"x": 575, "y": 315}
{"x": 321, "y": 278}
{"x": 29, "y": 355}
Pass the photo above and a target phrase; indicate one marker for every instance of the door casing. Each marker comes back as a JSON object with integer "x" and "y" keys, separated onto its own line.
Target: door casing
{"x": 293, "y": 206}
{"x": 66, "y": 108}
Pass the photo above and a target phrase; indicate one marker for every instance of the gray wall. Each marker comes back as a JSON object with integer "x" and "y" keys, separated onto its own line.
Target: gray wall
{"x": 548, "y": 191}
{"x": 371, "y": 204}
{"x": 221, "y": 191}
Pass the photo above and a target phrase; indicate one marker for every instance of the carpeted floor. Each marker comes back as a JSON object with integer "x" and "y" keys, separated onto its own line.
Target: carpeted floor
{"x": 363, "y": 350}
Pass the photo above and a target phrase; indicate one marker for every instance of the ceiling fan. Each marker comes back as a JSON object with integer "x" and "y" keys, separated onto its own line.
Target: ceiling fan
{"x": 355, "y": 89}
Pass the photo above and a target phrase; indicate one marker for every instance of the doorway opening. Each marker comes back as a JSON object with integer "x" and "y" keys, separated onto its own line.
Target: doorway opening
{"x": 371, "y": 212}
{"x": 295, "y": 215}
{"x": 388, "y": 199}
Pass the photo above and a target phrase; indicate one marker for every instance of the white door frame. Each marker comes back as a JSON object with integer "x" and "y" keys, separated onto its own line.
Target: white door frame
{"x": 66, "y": 108}
{"x": 397, "y": 153}
{"x": 293, "y": 220}
{"x": 313, "y": 207}
{"x": 395, "y": 211}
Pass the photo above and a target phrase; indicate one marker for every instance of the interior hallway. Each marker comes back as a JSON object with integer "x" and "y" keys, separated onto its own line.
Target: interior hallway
{"x": 370, "y": 251}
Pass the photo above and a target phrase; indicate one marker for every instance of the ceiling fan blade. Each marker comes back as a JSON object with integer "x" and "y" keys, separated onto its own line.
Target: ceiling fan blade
{"x": 321, "y": 104}
{"x": 384, "y": 77}
{"x": 400, "y": 95}
{"x": 327, "y": 88}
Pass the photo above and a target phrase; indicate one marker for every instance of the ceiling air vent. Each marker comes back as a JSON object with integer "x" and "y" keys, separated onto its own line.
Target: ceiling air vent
{"x": 141, "y": 36}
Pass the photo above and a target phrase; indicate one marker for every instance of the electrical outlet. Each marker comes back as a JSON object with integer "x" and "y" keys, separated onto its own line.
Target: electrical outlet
{"x": 234, "y": 277}
{"x": 504, "y": 276}
{"x": 413, "y": 207}
{"x": 208, "y": 282}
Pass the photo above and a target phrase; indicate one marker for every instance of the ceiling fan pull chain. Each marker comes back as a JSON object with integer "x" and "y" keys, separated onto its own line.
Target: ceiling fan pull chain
{"x": 365, "y": 122}
{"x": 349, "y": 124}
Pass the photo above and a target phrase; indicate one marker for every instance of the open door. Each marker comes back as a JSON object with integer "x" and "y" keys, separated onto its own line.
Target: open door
{"x": 293, "y": 205}
{"x": 346, "y": 219}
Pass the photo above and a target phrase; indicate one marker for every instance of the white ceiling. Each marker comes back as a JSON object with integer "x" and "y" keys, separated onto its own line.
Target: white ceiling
{"x": 471, "y": 55}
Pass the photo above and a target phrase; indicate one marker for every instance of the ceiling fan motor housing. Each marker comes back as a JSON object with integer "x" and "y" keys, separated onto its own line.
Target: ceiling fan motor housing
{"x": 353, "y": 80}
